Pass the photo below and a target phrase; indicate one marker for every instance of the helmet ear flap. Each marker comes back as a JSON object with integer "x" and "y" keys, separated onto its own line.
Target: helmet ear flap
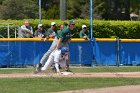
{"x": 64, "y": 49}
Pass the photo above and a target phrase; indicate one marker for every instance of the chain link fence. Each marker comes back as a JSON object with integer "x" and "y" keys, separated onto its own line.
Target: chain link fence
{"x": 8, "y": 30}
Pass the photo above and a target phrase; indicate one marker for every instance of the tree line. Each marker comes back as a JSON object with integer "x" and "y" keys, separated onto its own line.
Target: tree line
{"x": 102, "y": 9}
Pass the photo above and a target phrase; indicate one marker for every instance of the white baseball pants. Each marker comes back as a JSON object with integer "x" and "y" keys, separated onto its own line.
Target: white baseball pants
{"x": 54, "y": 57}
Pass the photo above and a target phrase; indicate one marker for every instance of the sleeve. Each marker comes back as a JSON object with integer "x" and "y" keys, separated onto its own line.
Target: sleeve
{"x": 35, "y": 34}
{"x": 81, "y": 34}
{"x": 61, "y": 34}
{"x": 31, "y": 30}
{"x": 51, "y": 32}
{"x": 88, "y": 34}
{"x": 23, "y": 28}
{"x": 48, "y": 32}
{"x": 45, "y": 33}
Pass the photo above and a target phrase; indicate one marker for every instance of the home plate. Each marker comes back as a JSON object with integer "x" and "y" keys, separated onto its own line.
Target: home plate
{"x": 66, "y": 73}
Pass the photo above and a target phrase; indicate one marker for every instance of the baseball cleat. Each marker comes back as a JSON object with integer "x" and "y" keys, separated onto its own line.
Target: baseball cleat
{"x": 38, "y": 67}
{"x": 54, "y": 69}
{"x": 67, "y": 69}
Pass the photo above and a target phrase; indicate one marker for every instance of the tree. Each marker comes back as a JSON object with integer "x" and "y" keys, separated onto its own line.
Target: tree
{"x": 53, "y": 12}
{"x": 99, "y": 9}
{"x": 52, "y": 9}
{"x": 117, "y": 10}
{"x": 135, "y": 6}
{"x": 81, "y": 8}
{"x": 1, "y": 1}
{"x": 102, "y": 9}
{"x": 18, "y": 9}
{"x": 74, "y": 8}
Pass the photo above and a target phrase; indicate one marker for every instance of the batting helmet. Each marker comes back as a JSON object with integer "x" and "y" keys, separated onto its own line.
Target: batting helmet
{"x": 64, "y": 50}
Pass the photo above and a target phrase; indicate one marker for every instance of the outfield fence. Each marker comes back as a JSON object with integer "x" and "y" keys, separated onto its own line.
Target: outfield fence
{"x": 28, "y": 51}
{"x": 117, "y": 52}
{"x": 16, "y": 52}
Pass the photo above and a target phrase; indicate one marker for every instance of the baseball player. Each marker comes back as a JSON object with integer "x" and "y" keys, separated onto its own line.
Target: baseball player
{"x": 51, "y": 32}
{"x": 64, "y": 56}
{"x": 55, "y": 57}
{"x": 60, "y": 41}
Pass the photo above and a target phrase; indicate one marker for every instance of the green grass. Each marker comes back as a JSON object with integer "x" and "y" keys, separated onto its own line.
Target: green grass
{"x": 81, "y": 70}
{"x": 108, "y": 69}
{"x": 55, "y": 84}
{"x": 15, "y": 70}
{"x": 45, "y": 85}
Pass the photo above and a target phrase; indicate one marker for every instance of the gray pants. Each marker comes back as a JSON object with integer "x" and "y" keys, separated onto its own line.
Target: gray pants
{"x": 46, "y": 55}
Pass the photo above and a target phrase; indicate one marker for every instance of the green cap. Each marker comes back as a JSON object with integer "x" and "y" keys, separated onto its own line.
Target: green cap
{"x": 72, "y": 21}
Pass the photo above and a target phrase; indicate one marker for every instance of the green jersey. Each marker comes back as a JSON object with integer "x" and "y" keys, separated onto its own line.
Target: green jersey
{"x": 50, "y": 31}
{"x": 65, "y": 34}
{"x": 82, "y": 34}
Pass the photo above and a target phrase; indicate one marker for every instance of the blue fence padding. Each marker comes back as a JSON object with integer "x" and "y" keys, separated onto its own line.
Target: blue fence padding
{"x": 130, "y": 53}
{"x": 22, "y": 53}
{"x": 105, "y": 53}
{"x": 81, "y": 53}
{"x": 29, "y": 53}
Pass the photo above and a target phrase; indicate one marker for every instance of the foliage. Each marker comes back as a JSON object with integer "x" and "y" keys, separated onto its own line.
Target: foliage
{"x": 50, "y": 9}
{"x": 121, "y": 29}
{"x": 18, "y": 9}
{"x": 101, "y": 28}
{"x": 81, "y": 9}
{"x": 117, "y": 10}
{"x": 102, "y": 9}
{"x": 52, "y": 13}
{"x": 135, "y": 6}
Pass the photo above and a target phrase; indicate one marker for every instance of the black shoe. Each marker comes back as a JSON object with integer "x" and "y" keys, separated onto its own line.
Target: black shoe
{"x": 60, "y": 67}
{"x": 38, "y": 67}
{"x": 54, "y": 69}
{"x": 67, "y": 69}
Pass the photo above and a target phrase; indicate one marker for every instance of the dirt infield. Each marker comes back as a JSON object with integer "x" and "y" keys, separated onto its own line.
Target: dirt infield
{"x": 107, "y": 74}
{"x": 122, "y": 89}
